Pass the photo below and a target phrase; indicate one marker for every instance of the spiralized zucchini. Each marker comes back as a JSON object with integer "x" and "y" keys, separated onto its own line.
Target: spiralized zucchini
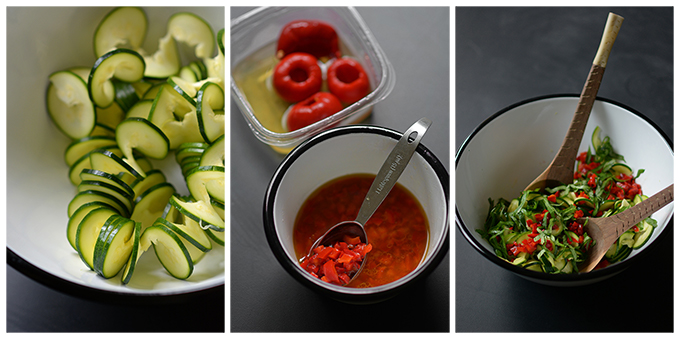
{"x": 149, "y": 116}
{"x": 539, "y": 231}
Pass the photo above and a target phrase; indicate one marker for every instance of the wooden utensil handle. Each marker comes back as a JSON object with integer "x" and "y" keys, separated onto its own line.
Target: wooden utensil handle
{"x": 572, "y": 140}
{"x": 611, "y": 30}
{"x": 643, "y": 210}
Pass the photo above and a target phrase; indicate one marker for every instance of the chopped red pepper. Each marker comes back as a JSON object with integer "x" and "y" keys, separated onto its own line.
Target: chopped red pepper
{"x": 576, "y": 227}
{"x": 540, "y": 216}
{"x": 336, "y": 264}
{"x": 345, "y": 258}
{"x": 527, "y": 245}
{"x": 624, "y": 177}
{"x": 578, "y": 214}
{"x": 582, "y": 195}
{"x": 583, "y": 168}
{"x": 513, "y": 249}
{"x": 602, "y": 264}
{"x": 634, "y": 190}
{"x": 549, "y": 245}
{"x": 330, "y": 273}
{"x": 534, "y": 227}
{"x": 592, "y": 182}
{"x": 627, "y": 189}
{"x": 323, "y": 254}
{"x": 352, "y": 241}
{"x": 582, "y": 157}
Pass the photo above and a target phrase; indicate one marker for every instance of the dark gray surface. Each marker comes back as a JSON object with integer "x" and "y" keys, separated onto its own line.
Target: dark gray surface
{"x": 506, "y": 55}
{"x": 33, "y": 307}
{"x": 263, "y": 296}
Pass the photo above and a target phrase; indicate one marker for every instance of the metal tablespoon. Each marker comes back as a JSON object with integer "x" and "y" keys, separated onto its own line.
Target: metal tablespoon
{"x": 386, "y": 178}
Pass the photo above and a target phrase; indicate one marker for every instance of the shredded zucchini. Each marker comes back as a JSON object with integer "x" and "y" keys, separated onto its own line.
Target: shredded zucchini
{"x": 539, "y": 231}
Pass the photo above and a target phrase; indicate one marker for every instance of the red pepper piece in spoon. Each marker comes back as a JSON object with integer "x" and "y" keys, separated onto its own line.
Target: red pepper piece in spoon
{"x": 310, "y": 36}
{"x": 315, "y": 108}
{"x": 297, "y": 76}
{"x": 336, "y": 264}
{"x": 347, "y": 80}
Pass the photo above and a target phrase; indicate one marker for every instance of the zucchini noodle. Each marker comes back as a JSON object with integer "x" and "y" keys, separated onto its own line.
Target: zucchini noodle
{"x": 539, "y": 231}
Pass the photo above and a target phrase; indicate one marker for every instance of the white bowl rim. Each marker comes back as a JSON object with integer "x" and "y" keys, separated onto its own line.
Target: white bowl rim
{"x": 546, "y": 277}
{"x": 339, "y": 292}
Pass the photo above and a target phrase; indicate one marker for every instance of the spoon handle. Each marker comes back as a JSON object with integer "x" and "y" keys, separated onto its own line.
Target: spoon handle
{"x": 391, "y": 170}
{"x": 563, "y": 164}
{"x": 623, "y": 221}
{"x": 607, "y": 230}
{"x": 611, "y": 30}
{"x": 561, "y": 169}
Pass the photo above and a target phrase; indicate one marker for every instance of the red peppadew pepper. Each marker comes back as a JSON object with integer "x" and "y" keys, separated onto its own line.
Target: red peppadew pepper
{"x": 317, "y": 107}
{"x": 297, "y": 76}
{"x": 347, "y": 80}
{"x": 310, "y": 36}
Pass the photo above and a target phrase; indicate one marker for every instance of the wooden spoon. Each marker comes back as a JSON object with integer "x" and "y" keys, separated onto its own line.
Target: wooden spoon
{"x": 561, "y": 169}
{"x": 605, "y": 231}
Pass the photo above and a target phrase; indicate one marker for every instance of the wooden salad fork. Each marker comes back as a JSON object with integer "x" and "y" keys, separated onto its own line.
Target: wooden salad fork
{"x": 605, "y": 231}
{"x": 561, "y": 169}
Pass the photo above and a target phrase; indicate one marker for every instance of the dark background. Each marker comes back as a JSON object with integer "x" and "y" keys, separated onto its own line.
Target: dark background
{"x": 506, "y": 55}
{"x": 34, "y": 307}
{"x": 264, "y": 297}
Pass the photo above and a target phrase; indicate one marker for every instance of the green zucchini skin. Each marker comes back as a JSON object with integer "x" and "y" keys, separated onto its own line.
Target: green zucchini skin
{"x": 210, "y": 100}
{"x": 108, "y": 35}
{"x": 166, "y": 241}
{"x": 122, "y": 64}
{"x": 76, "y": 117}
{"x": 124, "y": 111}
{"x": 134, "y": 255}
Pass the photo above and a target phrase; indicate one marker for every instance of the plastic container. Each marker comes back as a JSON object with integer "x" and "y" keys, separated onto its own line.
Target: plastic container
{"x": 254, "y": 36}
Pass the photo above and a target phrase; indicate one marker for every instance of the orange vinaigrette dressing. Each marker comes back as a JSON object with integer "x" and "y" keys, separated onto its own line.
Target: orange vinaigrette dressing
{"x": 398, "y": 231}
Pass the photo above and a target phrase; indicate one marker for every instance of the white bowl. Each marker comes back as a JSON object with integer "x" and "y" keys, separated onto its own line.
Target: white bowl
{"x": 515, "y": 145}
{"x": 41, "y": 41}
{"x": 347, "y": 150}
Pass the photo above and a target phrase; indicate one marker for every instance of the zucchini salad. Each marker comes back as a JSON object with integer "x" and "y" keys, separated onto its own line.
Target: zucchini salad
{"x": 130, "y": 107}
{"x": 539, "y": 231}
